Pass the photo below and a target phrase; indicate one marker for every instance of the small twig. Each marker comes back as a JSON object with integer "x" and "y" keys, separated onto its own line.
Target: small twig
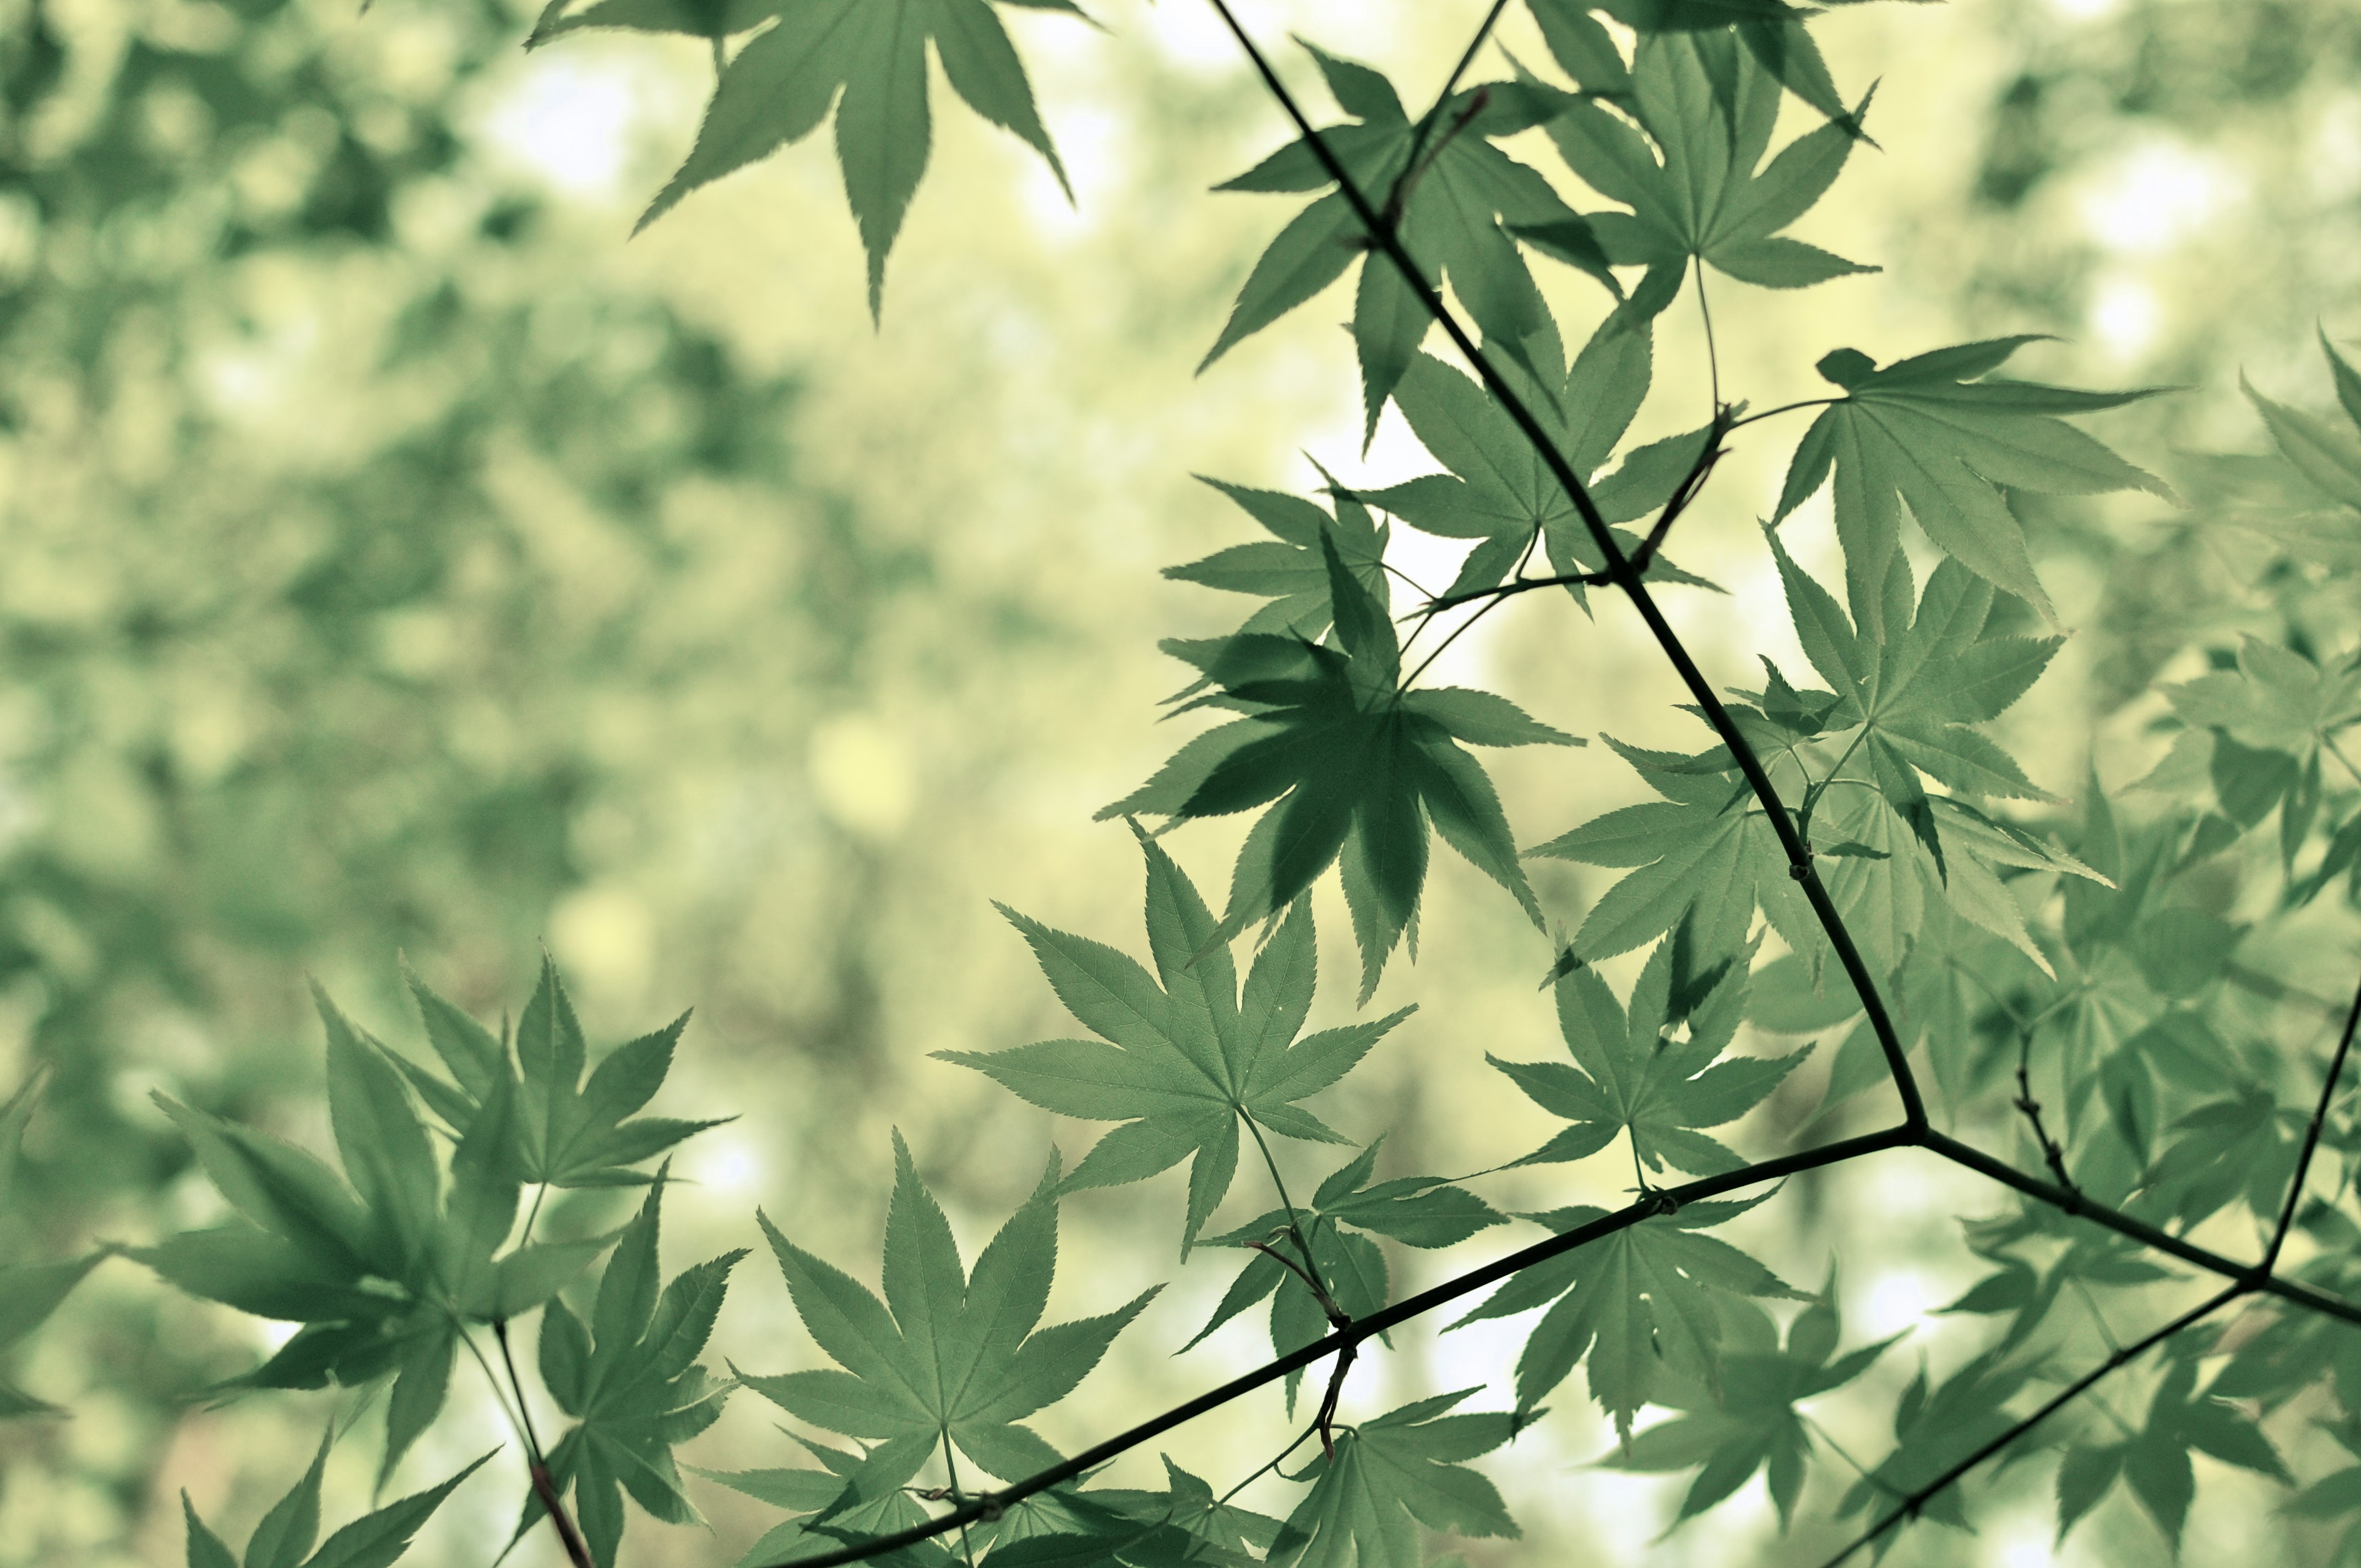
{"x": 1325, "y": 1421}
{"x": 2051, "y": 1155}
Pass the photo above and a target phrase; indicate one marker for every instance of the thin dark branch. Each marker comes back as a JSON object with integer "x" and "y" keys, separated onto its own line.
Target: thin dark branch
{"x": 1620, "y": 572}
{"x": 2312, "y": 1136}
{"x": 2243, "y": 1278}
{"x": 1411, "y": 166}
{"x": 544, "y": 1487}
{"x": 1909, "y": 1506}
{"x": 992, "y": 1505}
{"x": 2140, "y": 1231}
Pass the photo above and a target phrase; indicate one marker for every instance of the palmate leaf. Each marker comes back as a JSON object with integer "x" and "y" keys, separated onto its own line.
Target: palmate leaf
{"x": 1644, "y": 1305}
{"x": 1190, "y": 1505}
{"x": 1898, "y": 710}
{"x": 1772, "y": 31}
{"x": 1459, "y": 209}
{"x": 568, "y": 1133}
{"x": 29, "y": 1293}
{"x": 832, "y": 1511}
{"x": 1180, "y": 1057}
{"x": 284, "y": 1537}
{"x": 2154, "y": 1461}
{"x": 1291, "y": 569}
{"x": 1358, "y": 767}
{"x": 1629, "y": 1072}
{"x": 381, "y": 1266}
{"x": 947, "y": 1356}
{"x": 1927, "y": 431}
{"x": 1704, "y": 855}
{"x": 1388, "y": 1477}
{"x": 1753, "y": 1424}
{"x": 1935, "y": 1426}
{"x": 630, "y": 1381}
{"x": 1709, "y": 107}
{"x": 779, "y": 87}
{"x": 1498, "y": 490}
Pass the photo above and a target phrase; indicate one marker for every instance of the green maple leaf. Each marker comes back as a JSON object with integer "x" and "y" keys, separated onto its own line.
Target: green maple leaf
{"x": 1898, "y": 708}
{"x": 1347, "y": 1210}
{"x": 1388, "y": 1477}
{"x": 1629, "y": 1071}
{"x": 2260, "y": 729}
{"x": 779, "y": 87}
{"x": 1935, "y": 1426}
{"x": 1645, "y": 1305}
{"x": 1704, "y": 855}
{"x": 1753, "y": 1424}
{"x": 569, "y": 1133}
{"x": 630, "y": 1381}
{"x": 1187, "y": 1503}
{"x": 284, "y": 1538}
{"x": 2154, "y": 1462}
{"x": 949, "y": 1357}
{"x": 29, "y": 1293}
{"x": 1291, "y": 569}
{"x": 833, "y": 1511}
{"x": 1925, "y": 431}
{"x": 1710, "y": 107}
{"x": 381, "y": 1266}
{"x": 1771, "y": 30}
{"x": 1360, "y": 768}
{"x": 1181, "y": 1058}
{"x": 1463, "y": 207}
{"x": 2326, "y": 455}
{"x": 1498, "y": 490}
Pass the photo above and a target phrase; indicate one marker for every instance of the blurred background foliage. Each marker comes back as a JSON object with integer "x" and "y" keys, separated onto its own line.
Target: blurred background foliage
{"x": 392, "y": 559}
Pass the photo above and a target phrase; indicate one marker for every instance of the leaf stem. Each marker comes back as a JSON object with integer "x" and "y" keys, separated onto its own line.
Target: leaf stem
{"x": 1712, "y": 358}
{"x": 544, "y": 1487}
{"x": 950, "y": 1467}
{"x": 1295, "y": 1221}
{"x": 1782, "y": 409}
{"x": 1276, "y": 1461}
